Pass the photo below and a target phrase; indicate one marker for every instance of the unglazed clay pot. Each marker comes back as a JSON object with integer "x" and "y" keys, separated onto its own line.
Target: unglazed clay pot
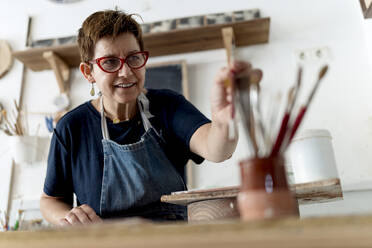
{"x": 264, "y": 190}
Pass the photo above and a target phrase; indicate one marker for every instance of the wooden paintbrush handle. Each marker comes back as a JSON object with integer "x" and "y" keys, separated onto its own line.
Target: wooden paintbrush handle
{"x": 281, "y": 134}
{"x": 298, "y": 121}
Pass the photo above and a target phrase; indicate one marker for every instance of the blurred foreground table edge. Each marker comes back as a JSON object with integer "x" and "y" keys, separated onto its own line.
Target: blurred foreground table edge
{"x": 343, "y": 231}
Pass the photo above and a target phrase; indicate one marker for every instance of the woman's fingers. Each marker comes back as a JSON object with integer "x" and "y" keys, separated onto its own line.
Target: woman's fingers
{"x": 255, "y": 76}
{"x": 72, "y": 218}
{"x": 223, "y": 93}
{"x": 241, "y": 66}
{"x": 64, "y": 222}
{"x": 238, "y": 69}
{"x": 222, "y": 75}
{"x": 91, "y": 213}
{"x": 81, "y": 215}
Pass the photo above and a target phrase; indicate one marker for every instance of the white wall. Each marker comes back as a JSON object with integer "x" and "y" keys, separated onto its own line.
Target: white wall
{"x": 343, "y": 105}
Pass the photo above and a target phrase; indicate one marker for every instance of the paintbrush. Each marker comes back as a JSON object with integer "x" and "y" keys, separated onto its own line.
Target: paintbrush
{"x": 243, "y": 104}
{"x": 258, "y": 132}
{"x": 272, "y": 116}
{"x": 8, "y": 124}
{"x": 6, "y": 131}
{"x": 287, "y": 135}
{"x": 1, "y": 115}
{"x": 283, "y": 137}
{"x": 305, "y": 107}
{"x": 229, "y": 42}
{"x": 283, "y": 126}
{"x": 18, "y": 119}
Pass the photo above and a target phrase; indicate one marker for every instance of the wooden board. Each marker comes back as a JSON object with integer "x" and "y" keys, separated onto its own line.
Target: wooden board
{"x": 173, "y": 42}
{"x": 306, "y": 193}
{"x": 207, "y": 38}
{"x": 347, "y": 231}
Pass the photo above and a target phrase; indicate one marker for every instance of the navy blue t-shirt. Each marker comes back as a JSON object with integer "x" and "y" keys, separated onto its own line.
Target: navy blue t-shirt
{"x": 75, "y": 162}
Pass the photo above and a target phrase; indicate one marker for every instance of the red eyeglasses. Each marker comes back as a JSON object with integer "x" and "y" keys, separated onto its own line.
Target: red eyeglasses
{"x": 113, "y": 64}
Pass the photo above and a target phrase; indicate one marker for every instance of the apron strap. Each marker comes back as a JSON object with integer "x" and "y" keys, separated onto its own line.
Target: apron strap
{"x": 143, "y": 105}
{"x": 105, "y": 133}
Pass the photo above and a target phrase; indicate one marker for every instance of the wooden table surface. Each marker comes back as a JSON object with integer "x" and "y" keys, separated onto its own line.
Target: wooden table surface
{"x": 346, "y": 231}
{"x": 306, "y": 193}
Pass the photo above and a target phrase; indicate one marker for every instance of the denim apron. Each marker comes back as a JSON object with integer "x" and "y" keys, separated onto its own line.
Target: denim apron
{"x": 136, "y": 175}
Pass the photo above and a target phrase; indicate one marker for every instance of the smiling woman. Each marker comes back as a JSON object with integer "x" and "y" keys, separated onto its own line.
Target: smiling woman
{"x": 122, "y": 151}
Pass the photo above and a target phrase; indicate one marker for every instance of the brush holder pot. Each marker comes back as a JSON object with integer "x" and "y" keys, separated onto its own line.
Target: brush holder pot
{"x": 264, "y": 191}
{"x": 24, "y": 148}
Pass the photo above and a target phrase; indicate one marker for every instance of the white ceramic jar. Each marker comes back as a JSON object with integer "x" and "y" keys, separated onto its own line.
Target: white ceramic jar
{"x": 312, "y": 157}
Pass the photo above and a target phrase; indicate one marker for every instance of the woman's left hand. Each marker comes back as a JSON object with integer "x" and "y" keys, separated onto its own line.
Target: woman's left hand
{"x": 222, "y": 95}
{"x": 212, "y": 141}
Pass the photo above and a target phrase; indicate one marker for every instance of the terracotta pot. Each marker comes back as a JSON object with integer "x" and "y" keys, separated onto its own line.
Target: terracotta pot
{"x": 264, "y": 190}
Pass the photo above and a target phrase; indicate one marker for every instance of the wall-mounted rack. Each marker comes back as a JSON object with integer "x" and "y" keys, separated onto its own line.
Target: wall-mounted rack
{"x": 163, "y": 43}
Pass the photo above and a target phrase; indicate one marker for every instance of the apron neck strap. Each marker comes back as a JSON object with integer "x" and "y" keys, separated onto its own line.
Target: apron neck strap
{"x": 105, "y": 133}
{"x": 143, "y": 106}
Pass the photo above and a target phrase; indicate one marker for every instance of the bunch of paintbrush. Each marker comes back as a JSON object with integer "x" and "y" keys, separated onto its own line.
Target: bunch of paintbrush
{"x": 4, "y": 221}
{"x": 258, "y": 135}
{"x": 245, "y": 94}
{"x": 290, "y": 125}
{"x": 14, "y": 122}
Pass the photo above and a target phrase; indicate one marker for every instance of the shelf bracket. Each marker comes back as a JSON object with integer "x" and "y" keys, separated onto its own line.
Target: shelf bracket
{"x": 60, "y": 68}
{"x": 229, "y": 43}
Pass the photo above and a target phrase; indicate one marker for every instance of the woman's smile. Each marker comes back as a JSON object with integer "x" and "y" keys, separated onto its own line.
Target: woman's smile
{"x": 125, "y": 85}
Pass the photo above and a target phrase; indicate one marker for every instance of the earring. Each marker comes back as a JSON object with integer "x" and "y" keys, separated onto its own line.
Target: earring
{"x": 92, "y": 92}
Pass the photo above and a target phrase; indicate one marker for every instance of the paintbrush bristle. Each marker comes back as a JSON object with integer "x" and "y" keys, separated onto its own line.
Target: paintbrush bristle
{"x": 291, "y": 94}
{"x": 323, "y": 71}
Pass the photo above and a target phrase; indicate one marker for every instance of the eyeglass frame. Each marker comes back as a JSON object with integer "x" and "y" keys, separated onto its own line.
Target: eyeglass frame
{"x": 122, "y": 61}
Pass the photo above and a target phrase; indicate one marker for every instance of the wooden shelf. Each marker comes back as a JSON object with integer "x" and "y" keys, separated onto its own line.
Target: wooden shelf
{"x": 165, "y": 43}
{"x": 306, "y": 193}
{"x": 34, "y": 60}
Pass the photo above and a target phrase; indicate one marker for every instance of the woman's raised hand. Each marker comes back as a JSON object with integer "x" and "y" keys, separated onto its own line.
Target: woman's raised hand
{"x": 221, "y": 96}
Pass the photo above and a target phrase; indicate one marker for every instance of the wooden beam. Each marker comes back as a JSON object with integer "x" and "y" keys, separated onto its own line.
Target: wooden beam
{"x": 60, "y": 68}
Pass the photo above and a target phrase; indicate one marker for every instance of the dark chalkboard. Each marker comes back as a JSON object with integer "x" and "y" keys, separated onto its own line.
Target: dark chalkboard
{"x": 167, "y": 76}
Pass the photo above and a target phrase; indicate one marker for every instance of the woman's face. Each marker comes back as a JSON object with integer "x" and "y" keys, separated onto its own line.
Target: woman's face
{"x": 125, "y": 85}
